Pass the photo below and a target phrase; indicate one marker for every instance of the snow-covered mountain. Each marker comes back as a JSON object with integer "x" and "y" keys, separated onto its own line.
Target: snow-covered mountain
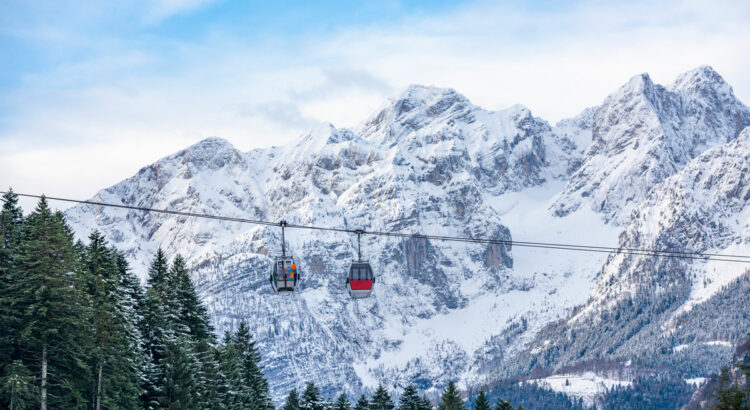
{"x": 427, "y": 162}
{"x": 679, "y": 315}
{"x": 644, "y": 133}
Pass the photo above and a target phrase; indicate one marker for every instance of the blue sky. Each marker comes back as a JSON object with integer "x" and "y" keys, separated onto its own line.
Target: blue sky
{"x": 114, "y": 87}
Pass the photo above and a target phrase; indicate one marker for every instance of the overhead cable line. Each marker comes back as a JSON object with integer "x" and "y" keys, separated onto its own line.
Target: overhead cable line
{"x": 668, "y": 253}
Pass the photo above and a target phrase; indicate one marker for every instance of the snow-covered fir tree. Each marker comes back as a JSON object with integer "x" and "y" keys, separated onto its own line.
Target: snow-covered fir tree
{"x": 451, "y": 398}
{"x": 362, "y": 403}
{"x": 381, "y": 399}
{"x": 409, "y": 399}
{"x": 342, "y": 403}
{"x": 292, "y": 401}
{"x": 482, "y": 403}
{"x": 311, "y": 398}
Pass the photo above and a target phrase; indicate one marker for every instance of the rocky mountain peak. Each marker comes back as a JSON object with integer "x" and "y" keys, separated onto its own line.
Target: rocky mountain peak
{"x": 413, "y": 109}
{"x": 638, "y": 90}
{"x": 210, "y": 153}
{"x": 429, "y": 161}
{"x": 213, "y": 145}
{"x": 638, "y": 83}
{"x": 318, "y": 138}
{"x": 710, "y": 106}
{"x": 700, "y": 78}
{"x": 644, "y": 132}
{"x": 429, "y": 98}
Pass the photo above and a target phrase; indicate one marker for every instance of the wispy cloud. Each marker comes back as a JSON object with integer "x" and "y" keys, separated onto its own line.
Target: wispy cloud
{"x": 160, "y": 75}
{"x": 158, "y": 10}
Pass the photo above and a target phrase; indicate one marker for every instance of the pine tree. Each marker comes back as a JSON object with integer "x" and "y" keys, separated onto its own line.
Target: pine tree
{"x": 180, "y": 389}
{"x": 157, "y": 272}
{"x": 156, "y": 330}
{"x": 252, "y": 375}
{"x": 451, "y": 399}
{"x": 292, "y": 401}
{"x": 115, "y": 354}
{"x": 722, "y": 393}
{"x": 362, "y": 403}
{"x": 503, "y": 405}
{"x": 175, "y": 319}
{"x": 381, "y": 400}
{"x": 409, "y": 399}
{"x": 243, "y": 384}
{"x": 424, "y": 403}
{"x": 130, "y": 310}
{"x": 482, "y": 402}
{"x": 311, "y": 399}
{"x": 160, "y": 310}
{"x": 230, "y": 368}
{"x": 51, "y": 305}
{"x": 192, "y": 314}
{"x": 745, "y": 368}
{"x": 342, "y": 403}
{"x": 11, "y": 230}
{"x": 18, "y": 387}
{"x": 193, "y": 321}
{"x": 155, "y": 333}
{"x": 132, "y": 305}
{"x": 133, "y": 299}
{"x": 210, "y": 379}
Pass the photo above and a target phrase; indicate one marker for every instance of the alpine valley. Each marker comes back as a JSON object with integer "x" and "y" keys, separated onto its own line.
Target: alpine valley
{"x": 653, "y": 166}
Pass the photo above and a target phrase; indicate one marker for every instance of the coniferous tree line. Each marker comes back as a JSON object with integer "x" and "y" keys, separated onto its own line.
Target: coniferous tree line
{"x": 658, "y": 392}
{"x": 410, "y": 399}
{"x": 512, "y": 394}
{"x": 79, "y": 331}
{"x": 628, "y": 329}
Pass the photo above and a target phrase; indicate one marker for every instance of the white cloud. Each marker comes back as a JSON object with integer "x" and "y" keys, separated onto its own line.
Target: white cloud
{"x": 142, "y": 98}
{"x": 161, "y": 9}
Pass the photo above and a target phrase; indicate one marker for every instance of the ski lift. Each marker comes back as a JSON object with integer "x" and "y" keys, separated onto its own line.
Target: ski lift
{"x": 359, "y": 279}
{"x": 284, "y": 274}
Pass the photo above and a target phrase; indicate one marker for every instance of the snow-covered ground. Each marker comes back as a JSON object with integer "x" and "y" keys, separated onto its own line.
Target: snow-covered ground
{"x": 695, "y": 381}
{"x": 527, "y": 214}
{"x": 585, "y": 386}
{"x": 723, "y": 343}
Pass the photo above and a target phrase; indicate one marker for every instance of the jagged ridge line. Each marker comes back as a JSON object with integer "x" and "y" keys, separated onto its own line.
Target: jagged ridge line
{"x": 542, "y": 245}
